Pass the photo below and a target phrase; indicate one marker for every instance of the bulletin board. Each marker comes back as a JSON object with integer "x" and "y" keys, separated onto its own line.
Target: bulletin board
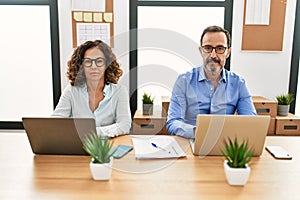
{"x": 87, "y": 25}
{"x": 266, "y": 37}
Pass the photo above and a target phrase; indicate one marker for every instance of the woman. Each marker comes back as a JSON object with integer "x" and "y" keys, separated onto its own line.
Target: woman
{"x": 93, "y": 72}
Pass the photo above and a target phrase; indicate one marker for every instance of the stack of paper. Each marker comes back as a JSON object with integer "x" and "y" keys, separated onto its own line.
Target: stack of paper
{"x": 147, "y": 147}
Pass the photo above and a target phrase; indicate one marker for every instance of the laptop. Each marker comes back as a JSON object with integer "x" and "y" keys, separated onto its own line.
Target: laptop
{"x": 57, "y": 136}
{"x": 213, "y": 130}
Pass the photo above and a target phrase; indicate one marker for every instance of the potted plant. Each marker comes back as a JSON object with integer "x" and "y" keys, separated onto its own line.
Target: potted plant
{"x": 147, "y": 104}
{"x": 100, "y": 149}
{"x": 284, "y": 101}
{"x": 237, "y": 157}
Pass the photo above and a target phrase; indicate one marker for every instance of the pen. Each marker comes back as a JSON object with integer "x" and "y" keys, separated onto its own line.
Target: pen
{"x": 154, "y": 145}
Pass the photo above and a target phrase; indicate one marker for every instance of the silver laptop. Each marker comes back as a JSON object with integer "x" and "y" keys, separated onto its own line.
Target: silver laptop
{"x": 212, "y": 130}
{"x": 58, "y": 135}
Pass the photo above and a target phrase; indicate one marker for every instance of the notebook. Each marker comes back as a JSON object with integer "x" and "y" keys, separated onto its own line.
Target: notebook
{"x": 152, "y": 147}
{"x": 58, "y": 135}
{"x": 212, "y": 130}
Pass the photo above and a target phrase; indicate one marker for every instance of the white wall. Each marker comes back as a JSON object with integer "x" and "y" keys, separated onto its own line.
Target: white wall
{"x": 266, "y": 73}
{"x": 121, "y": 28}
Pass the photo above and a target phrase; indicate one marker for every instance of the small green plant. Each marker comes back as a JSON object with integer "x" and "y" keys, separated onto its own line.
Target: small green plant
{"x": 99, "y": 147}
{"x": 285, "y": 99}
{"x": 147, "y": 99}
{"x": 237, "y": 155}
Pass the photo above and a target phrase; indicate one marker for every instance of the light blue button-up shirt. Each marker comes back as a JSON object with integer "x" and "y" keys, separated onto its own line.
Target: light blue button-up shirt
{"x": 194, "y": 94}
{"x": 112, "y": 115}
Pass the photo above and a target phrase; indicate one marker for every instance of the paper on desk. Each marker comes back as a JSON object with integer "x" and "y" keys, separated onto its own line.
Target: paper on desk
{"x": 168, "y": 147}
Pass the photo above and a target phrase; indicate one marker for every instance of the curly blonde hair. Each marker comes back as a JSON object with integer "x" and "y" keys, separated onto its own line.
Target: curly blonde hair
{"x": 75, "y": 71}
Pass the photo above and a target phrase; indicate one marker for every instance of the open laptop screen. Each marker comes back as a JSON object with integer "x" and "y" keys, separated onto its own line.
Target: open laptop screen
{"x": 212, "y": 130}
{"x": 58, "y": 135}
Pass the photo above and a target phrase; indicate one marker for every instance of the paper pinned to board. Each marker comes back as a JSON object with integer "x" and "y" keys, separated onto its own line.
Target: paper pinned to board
{"x": 98, "y": 17}
{"x": 88, "y": 5}
{"x": 108, "y": 17}
{"x": 151, "y": 147}
{"x": 78, "y": 16}
{"x": 87, "y": 17}
{"x": 258, "y": 12}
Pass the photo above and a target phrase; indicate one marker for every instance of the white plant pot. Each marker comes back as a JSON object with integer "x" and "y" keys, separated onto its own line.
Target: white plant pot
{"x": 101, "y": 171}
{"x": 236, "y": 176}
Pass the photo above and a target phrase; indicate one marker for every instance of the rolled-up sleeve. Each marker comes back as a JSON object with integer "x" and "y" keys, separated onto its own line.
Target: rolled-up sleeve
{"x": 245, "y": 104}
{"x": 177, "y": 109}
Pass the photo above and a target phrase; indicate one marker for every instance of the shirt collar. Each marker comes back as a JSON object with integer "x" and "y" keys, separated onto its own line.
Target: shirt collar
{"x": 201, "y": 74}
{"x": 203, "y": 77}
{"x": 223, "y": 75}
{"x": 106, "y": 90}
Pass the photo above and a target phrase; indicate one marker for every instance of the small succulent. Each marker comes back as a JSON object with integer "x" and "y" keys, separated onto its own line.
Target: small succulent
{"x": 237, "y": 155}
{"x": 99, "y": 147}
{"x": 285, "y": 99}
{"x": 147, "y": 99}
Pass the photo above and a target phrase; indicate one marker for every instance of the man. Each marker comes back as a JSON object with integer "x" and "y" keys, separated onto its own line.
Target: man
{"x": 208, "y": 89}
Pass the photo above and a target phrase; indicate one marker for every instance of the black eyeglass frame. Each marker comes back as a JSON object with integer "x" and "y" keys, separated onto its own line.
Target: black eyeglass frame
{"x": 218, "y": 51}
{"x": 93, "y": 60}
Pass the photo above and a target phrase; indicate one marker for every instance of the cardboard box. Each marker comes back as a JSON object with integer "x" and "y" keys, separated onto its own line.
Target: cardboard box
{"x": 271, "y": 130}
{"x": 148, "y": 124}
{"x": 165, "y": 100}
{"x": 288, "y": 125}
{"x": 265, "y": 106}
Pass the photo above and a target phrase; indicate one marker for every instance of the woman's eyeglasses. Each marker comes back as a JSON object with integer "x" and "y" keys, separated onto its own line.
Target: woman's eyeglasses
{"x": 88, "y": 62}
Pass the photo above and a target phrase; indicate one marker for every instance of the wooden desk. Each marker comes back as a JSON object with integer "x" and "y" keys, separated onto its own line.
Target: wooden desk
{"x": 28, "y": 176}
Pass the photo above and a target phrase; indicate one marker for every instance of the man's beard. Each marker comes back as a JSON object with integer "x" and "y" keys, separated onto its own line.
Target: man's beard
{"x": 213, "y": 66}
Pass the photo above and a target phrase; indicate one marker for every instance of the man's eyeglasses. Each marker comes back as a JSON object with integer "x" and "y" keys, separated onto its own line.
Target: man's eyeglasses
{"x": 218, "y": 49}
{"x": 99, "y": 62}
